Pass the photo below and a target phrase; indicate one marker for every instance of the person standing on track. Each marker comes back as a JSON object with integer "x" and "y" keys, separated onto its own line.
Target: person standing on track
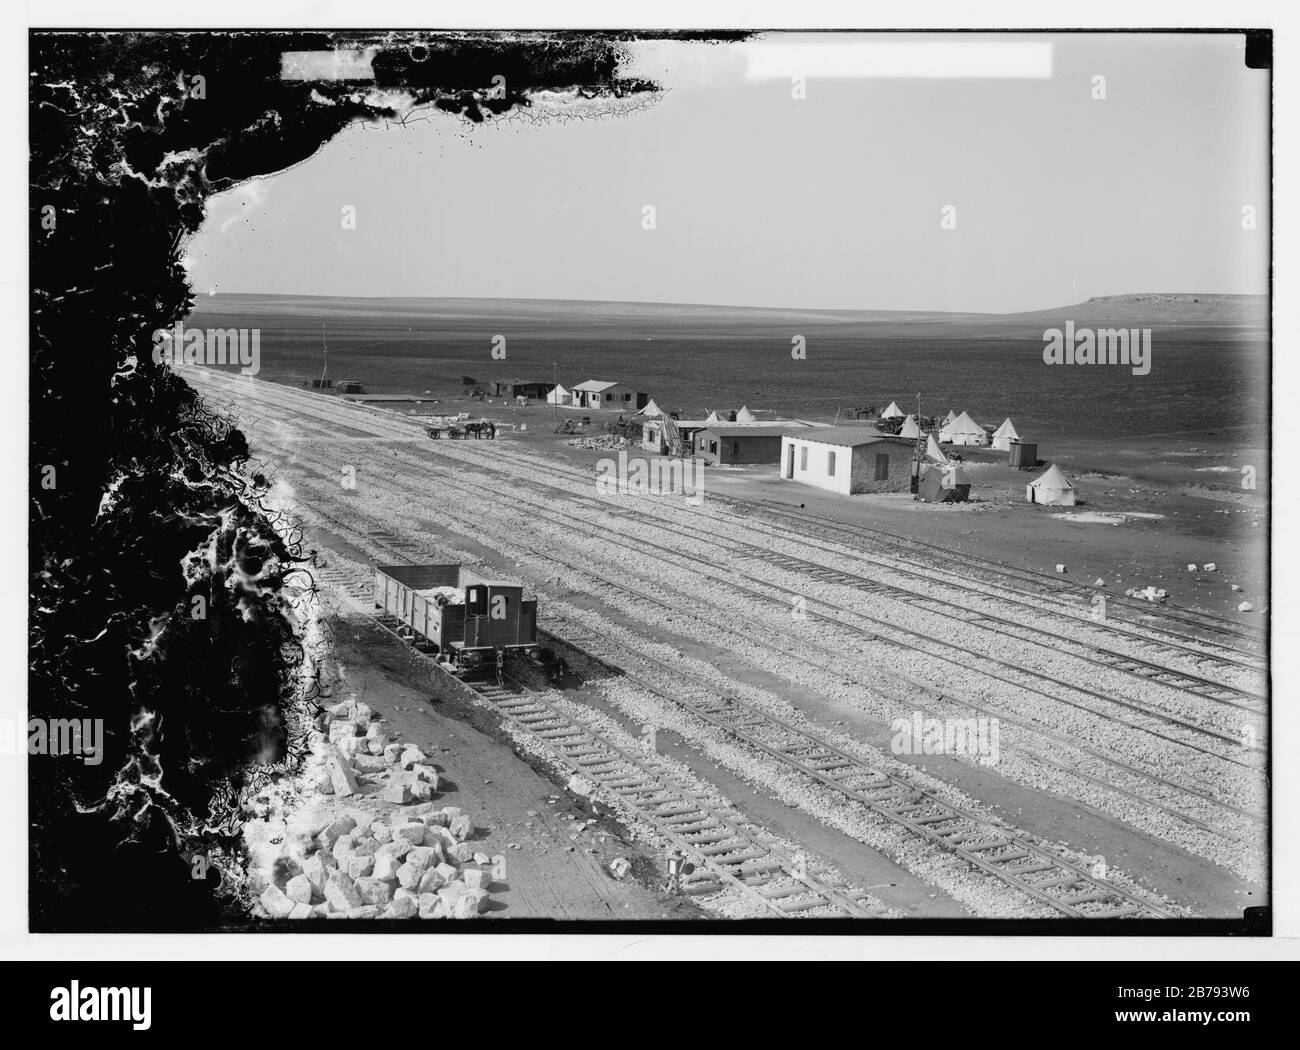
{"x": 501, "y": 667}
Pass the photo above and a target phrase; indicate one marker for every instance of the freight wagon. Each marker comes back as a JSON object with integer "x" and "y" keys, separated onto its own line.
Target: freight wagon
{"x": 460, "y": 616}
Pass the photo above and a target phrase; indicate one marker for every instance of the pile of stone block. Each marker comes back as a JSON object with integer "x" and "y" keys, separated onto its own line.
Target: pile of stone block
{"x": 392, "y": 854}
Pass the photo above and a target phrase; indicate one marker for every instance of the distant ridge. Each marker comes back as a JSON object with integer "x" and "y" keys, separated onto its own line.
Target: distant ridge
{"x": 1166, "y": 309}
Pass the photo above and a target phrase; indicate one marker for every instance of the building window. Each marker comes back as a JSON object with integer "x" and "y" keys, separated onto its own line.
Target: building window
{"x": 735, "y": 449}
{"x": 882, "y": 467}
{"x": 803, "y": 458}
{"x": 830, "y": 464}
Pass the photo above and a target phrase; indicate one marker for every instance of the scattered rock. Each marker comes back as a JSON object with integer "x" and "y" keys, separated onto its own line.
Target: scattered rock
{"x": 340, "y": 773}
{"x": 432, "y": 881}
{"x": 277, "y": 904}
{"x": 401, "y": 908}
{"x": 461, "y": 902}
{"x": 335, "y": 831}
{"x": 580, "y": 786}
{"x": 619, "y": 867}
{"x": 375, "y": 891}
{"x": 412, "y": 832}
{"x": 300, "y": 889}
{"x": 341, "y": 892}
{"x": 360, "y": 866}
{"x": 398, "y": 794}
{"x": 317, "y": 872}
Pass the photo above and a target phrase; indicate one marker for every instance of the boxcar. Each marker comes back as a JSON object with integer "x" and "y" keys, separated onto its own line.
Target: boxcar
{"x": 454, "y": 612}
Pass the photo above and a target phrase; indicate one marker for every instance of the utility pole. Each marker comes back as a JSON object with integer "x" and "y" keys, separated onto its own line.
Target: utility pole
{"x": 916, "y": 451}
{"x": 555, "y": 397}
{"x": 325, "y": 356}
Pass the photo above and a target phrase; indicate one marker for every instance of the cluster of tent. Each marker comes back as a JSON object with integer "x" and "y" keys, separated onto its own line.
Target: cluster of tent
{"x": 957, "y": 429}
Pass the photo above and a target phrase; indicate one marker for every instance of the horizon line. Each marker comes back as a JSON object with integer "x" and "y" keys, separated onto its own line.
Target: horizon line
{"x": 728, "y": 306}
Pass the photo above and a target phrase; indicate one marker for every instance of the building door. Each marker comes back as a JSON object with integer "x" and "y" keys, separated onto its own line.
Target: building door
{"x": 882, "y": 466}
{"x": 789, "y": 461}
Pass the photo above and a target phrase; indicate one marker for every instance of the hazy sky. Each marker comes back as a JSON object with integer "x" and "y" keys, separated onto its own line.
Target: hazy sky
{"x": 835, "y": 200}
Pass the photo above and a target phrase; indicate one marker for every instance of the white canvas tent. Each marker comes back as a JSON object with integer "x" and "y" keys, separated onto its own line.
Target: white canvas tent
{"x": 1051, "y": 489}
{"x": 933, "y": 451}
{"x": 910, "y": 429}
{"x": 712, "y": 417}
{"x": 892, "y": 412}
{"x": 559, "y": 396}
{"x": 952, "y": 414}
{"x": 1005, "y": 434}
{"x": 745, "y": 415}
{"x": 651, "y": 410}
{"x": 963, "y": 431}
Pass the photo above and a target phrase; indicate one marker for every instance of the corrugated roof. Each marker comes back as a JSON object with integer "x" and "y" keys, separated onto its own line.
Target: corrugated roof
{"x": 849, "y": 436}
{"x": 594, "y": 385}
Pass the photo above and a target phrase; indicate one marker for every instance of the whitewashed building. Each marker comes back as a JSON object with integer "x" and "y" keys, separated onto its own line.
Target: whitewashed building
{"x": 847, "y": 460}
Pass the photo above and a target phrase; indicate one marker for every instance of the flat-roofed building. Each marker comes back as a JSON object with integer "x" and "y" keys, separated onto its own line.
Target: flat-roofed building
{"x": 847, "y": 460}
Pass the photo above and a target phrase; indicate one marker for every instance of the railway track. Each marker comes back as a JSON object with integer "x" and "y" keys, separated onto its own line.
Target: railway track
{"x": 1110, "y": 760}
{"x": 1066, "y": 888}
{"x": 1232, "y": 631}
{"x": 418, "y": 553}
{"x": 727, "y": 854}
